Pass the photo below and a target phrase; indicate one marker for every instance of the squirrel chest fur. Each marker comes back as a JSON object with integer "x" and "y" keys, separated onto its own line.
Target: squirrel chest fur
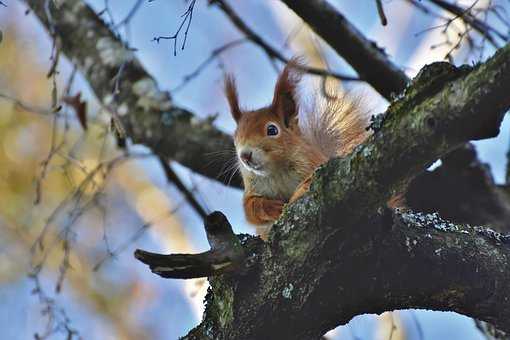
{"x": 278, "y": 153}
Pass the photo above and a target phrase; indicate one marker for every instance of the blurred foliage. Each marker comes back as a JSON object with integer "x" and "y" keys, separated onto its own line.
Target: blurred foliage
{"x": 71, "y": 202}
{"x": 57, "y": 185}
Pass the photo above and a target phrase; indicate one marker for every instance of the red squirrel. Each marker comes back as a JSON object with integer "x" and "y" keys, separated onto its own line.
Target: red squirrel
{"x": 278, "y": 152}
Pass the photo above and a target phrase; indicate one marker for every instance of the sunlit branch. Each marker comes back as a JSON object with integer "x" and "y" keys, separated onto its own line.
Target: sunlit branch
{"x": 368, "y": 60}
{"x": 226, "y": 254}
{"x": 272, "y": 52}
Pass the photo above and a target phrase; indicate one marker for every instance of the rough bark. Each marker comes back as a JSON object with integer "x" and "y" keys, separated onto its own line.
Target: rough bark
{"x": 148, "y": 114}
{"x": 152, "y": 119}
{"x": 331, "y": 255}
{"x": 389, "y": 262}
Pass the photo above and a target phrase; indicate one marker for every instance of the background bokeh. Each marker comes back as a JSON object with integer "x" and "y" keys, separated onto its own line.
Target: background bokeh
{"x": 73, "y": 207}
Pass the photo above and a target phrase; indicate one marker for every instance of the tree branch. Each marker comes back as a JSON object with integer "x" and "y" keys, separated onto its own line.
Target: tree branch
{"x": 369, "y": 60}
{"x": 172, "y": 177}
{"x": 335, "y": 253}
{"x": 226, "y": 254}
{"x": 330, "y": 256}
{"x": 407, "y": 261}
{"x": 380, "y": 11}
{"x": 148, "y": 115}
{"x": 271, "y": 52}
{"x": 155, "y": 121}
{"x": 461, "y": 190}
{"x": 481, "y": 27}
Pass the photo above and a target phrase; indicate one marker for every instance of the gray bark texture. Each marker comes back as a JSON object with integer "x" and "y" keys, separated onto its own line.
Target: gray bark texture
{"x": 148, "y": 114}
{"x": 337, "y": 252}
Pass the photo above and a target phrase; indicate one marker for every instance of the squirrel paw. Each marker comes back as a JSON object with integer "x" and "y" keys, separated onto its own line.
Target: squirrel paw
{"x": 260, "y": 210}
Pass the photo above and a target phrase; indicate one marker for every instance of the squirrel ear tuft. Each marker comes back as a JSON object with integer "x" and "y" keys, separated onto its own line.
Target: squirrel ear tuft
{"x": 285, "y": 101}
{"x": 231, "y": 93}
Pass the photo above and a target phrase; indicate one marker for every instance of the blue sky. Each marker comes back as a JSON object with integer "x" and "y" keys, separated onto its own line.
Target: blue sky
{"x": 176, "y": 312}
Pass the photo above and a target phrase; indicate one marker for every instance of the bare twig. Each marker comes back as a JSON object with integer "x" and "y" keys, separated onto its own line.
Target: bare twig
{"x": 449, "y": 21}
{"x": 367, "y": 59}
{"x": 465, "y": 14}
{"x": 272, "y": 52}
{"x": 54, "y": 148}
{"x": 380, "y": 11}
{"x": 188, "y": 195}
{"x": 205, "y": 139}
{"x": 459, "y": 34}
{"x": 393, "y": 326}
{"x": 214, "y": 54}
{"x": 417, "y": 324}
{"x": 188, "y": 16}
{"x": 57, "y": 319}
{"x": 112, "y": 254}
{"x": 26, "y": 107}
{"x": 456, "y": 35}
{"x": 127, "y": 19}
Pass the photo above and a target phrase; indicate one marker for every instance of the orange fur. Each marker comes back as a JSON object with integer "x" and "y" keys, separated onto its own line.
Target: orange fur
{"x": 279, "y": 168}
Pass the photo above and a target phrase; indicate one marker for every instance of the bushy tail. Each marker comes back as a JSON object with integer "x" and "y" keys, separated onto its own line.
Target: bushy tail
{"x": 336, "y": 125}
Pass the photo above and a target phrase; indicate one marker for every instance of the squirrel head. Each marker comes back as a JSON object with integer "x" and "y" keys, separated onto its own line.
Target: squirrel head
{"x": 266, "y": 139}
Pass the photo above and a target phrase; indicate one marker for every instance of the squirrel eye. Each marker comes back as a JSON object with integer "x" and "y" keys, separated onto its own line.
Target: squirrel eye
{"x": 272, "y": 130}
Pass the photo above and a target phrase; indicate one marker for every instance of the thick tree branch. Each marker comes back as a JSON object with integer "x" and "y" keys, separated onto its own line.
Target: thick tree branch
{"x": 394, "y": 261}
{"x": 462, "y": 190}
{"x": 331, "y": 256}
{"x": 175, "y": 132}
{"x": 369, "y": 60}
{"x": 123, "y": 86}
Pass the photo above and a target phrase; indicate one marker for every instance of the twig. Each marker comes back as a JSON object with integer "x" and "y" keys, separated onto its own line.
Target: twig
{"x": 226, "y": 254}
{"x": 488, "y": 33}
{"x": 214, "y": 54}
{"x": 419, "y": 329}
{"x": 369, "y": 61}
{"x": 127, "y": 19}
{"x": 272, "y": 52}
{"x": 172, "y": 177}
{"x": 393, "y": 327}
{"x": 380, "y": 11}
{"x": 54, "y": 148}
{"x": 26, "y": 107}
{"x": 469, "y": 19}
{"x": 188, "y": 16}
{"x": 111, "y": 254}
{"x": 125, "y": 43}
{"x": 448, "y": 22}
{"x": 460, "y": 34}
{"x": 57, "y": 319}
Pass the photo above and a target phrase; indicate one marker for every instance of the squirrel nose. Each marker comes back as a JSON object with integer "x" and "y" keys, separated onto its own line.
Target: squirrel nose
{"x": 246, "y": 156}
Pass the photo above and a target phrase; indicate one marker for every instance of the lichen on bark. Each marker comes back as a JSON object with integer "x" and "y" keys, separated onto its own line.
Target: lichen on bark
{"x": 341, "y": 253}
